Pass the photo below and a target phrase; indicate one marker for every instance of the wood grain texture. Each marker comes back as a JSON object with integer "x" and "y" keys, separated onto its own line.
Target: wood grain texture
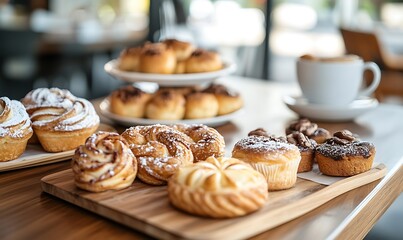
{"x": 34, "y": 155}
{"x": 147, "y": 208}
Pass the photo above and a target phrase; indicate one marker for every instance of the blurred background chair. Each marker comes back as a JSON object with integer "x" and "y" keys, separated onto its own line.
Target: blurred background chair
{"x": 369, "y": 47}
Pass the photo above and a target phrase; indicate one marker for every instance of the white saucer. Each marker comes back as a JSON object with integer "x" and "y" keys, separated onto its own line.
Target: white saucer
{"x": 330, "y": 113}
{"x": 169, "y": 79}
{"x": 130, "y": 121}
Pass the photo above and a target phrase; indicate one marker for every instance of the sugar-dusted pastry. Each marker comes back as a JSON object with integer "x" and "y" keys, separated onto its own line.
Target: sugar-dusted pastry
{"x": 308, "y": 129}
{"x": 60, "y": 120}
{"x": 201, "y": 105}
{"x": 166, "y": 105}
{"x": 276, "y": 160}
{"x": 129, "y": 59}
{"x": 207, "y": 141}
{"x": 160, "y": 151}
{"x": 218, "y": 188}
{"x": 203, "y": 61}
{"x": 262, "y": 132}
{"x": 228, "y": 100}
{"x": 344, "y": 155}
{"x": 129, "y": 101}
{"x": 157, "y": 58}
{"x": 182, "y": 50}
{"x": 104, "y": 162}
{"x": 306, "y": 147}
{"x": 15, "y": 129}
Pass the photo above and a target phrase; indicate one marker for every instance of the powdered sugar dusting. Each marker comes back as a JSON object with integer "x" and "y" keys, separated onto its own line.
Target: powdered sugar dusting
{"x": 263, "y": 144}
{"x": 14, "y": 120}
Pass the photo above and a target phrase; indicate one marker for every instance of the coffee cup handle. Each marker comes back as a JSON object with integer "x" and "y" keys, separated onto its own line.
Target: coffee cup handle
{"x": 375, "y": 81}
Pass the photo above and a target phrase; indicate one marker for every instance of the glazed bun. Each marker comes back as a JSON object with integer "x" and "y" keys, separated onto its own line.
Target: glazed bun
{"x": 157, "y": 58}
{"x": 129, "y": 101}
{"x": 182, "y": 50}
{"x": 201, "y": 105}
{"x": 166, "y": 105}
{"x": 203, "y": 61}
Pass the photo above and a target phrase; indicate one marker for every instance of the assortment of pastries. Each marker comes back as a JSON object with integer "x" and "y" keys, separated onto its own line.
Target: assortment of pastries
{"x": 175, "y": 103}
{"x": 170, "y": 56}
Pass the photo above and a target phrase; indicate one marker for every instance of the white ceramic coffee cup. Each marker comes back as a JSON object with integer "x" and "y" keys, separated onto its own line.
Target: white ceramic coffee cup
{"x": 335, "y": 81}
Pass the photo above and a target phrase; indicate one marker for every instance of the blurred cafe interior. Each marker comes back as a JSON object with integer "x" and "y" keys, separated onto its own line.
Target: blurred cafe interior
{"x": 65, "y": 44}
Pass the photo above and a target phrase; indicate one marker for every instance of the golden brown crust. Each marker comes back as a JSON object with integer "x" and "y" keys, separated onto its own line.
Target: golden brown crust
{"x": 203, "y": 61}
{"x": 160, "y": 151}
{"x": 15, "y": 129}
{"x": 157, "y": 58}
{"x": 129, "y": 59}
{"x": 218, "y": 188}
{"x": 277, "y": 161}
{"x": 166, "y": 105}
{"x": 306, "y": 163}
{"x": 201, "y": 105}
{"x": 182, "y": 50}
{"x": 228, "y": 100}
{"x": 129, "y": 101}
{"x": 207, "y": 141}
{"x": 104, "y": 162}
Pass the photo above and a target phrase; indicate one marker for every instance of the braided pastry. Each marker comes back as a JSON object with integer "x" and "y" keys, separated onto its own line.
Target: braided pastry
{"x": 60, "y": 120}
{"x": 105, "y": 162}
{"x": 218, "y": 188}
{"x": 207, "y": 141}
{"x": 160, "y": 151}
{"x": 15, "y": 129}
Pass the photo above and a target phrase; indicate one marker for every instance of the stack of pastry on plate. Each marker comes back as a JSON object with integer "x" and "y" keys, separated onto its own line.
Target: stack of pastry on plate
{"x": 169, "y": 57}
{"x": 175, "y": 103}
{"x": 52, "y": 117}
{"x": 190, "y": 159}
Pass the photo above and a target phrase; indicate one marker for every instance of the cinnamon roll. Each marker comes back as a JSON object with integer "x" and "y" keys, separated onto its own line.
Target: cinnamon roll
{"x": 157, "y": 58}
{"x": 129, "y": 101}
{"x": 104, "y": 162}
{"x": 60, "y": 120}
{"x": 160, "y": 151}
{"x": 15, "y": 129}
{"x": 218, "y": 188}
{"x": 182, "y": 50}
{"x": 207, "y": 141}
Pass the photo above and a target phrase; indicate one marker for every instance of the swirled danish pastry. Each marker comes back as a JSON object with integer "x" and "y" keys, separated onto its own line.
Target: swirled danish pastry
{"x": 218, "y": 188}
{"x": 15, "y": 129}
{"x": 103, "y": 163}
{"x": 207, "y": 141}
{"x": 160, "y": 151}
{"x": 60, "y": 120}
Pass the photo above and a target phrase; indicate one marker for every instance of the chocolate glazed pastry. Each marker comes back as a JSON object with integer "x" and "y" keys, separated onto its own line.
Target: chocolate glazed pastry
{"x": 344, "y": 155}
{"x": 309, "y": 129}
{"x": 306, "y": 147}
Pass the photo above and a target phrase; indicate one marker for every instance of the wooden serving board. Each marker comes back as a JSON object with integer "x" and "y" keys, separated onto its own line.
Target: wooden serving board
{"x": 147, "y": 209}
{"x": 35, "y": 155}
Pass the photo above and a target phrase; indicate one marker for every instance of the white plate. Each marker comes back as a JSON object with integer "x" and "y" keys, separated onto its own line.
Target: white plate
{"x": 330, "y": 113}
{"x": 169, "y": 79}
{"x": 130, "y": 121}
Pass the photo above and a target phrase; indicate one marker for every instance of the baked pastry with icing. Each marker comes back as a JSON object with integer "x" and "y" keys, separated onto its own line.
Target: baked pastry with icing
{"x": 228, "y": 101}
{"x": 104, "y": 162}
{"x": 157, "y": 58}
{"x": 166, "y": 105}
{"x": 203, "y": 61}
{"x": 129, "y": 101}
{"x": 306, "y": 147}
{"x": 15, "y": 129}
{"x": 344, "y": 155}
{"x": 201, "y": 105}
{"x": 218, "y": 188}
{"x": 206, "y": 141}
{"x": 182, "y": 50}
{"x": 262, "y": 132}
{"x": 60, "y": 120}
{"x": 160, "y": 151}
{"x": 309, "y": 129}
{"x": 277, "y": 160}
